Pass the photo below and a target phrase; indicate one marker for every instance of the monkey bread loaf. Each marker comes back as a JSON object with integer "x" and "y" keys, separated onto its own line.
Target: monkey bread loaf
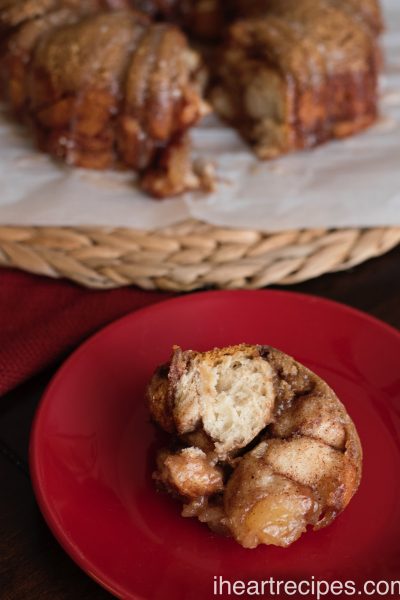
{"x": 299, "y": 73}
{"x": 260, "y": 448}
{"x": 102, "y": 88}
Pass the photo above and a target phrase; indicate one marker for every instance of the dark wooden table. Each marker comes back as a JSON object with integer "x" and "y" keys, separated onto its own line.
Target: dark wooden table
{"x": 32, "y": 564}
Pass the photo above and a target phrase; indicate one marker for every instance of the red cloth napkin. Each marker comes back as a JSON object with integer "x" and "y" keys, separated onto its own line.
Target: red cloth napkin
{"x": 41, "y": 320}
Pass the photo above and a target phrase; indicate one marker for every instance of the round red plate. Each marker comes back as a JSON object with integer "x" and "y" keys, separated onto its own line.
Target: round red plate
{"x": 92, "y": 448}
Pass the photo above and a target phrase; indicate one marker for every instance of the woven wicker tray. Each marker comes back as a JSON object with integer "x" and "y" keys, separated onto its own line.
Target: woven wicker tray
{"x": 188, "y": 256}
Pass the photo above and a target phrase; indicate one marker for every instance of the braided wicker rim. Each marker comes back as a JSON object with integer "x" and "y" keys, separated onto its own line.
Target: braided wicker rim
{"x": 188, "y": 256}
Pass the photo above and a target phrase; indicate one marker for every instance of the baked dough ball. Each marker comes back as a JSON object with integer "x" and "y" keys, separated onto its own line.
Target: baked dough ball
{"x": 283, "y": 485}
{"x": 189, "y": 473}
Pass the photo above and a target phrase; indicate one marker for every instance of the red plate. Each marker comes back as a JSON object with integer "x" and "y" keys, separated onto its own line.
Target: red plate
{"x": 92, "y": 449}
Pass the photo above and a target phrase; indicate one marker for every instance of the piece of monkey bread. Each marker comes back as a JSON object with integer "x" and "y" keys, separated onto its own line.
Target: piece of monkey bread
{"x": 260, "y": 448}
{"x": 299, "y": 73}
{"x": 104, "y": 88}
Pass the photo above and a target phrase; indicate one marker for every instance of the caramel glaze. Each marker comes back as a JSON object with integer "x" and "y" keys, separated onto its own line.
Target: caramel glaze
{"x": 103, "y": 87}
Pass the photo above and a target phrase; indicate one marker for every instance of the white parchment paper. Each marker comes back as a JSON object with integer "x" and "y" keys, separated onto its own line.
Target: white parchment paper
{"x": 351, "y": 183}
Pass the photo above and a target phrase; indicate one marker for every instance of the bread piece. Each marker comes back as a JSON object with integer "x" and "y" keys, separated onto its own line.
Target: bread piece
{"x": 13, "y": 13}
{"x": 284, "y": 485}
{"x": 189, "y": 473}
{"x": 305, "y": 469}
{"x": 304, "y": 73}
{"x": 228, "y": 394}
{"x": 264, "y": 507}
{"x": 317, "y": 415}
{"x": 367, "y": 11}
{"x": 17, "y": 49}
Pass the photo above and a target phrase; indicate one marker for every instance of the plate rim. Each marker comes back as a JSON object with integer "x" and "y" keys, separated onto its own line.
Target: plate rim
{"x": 33, "y": 452}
